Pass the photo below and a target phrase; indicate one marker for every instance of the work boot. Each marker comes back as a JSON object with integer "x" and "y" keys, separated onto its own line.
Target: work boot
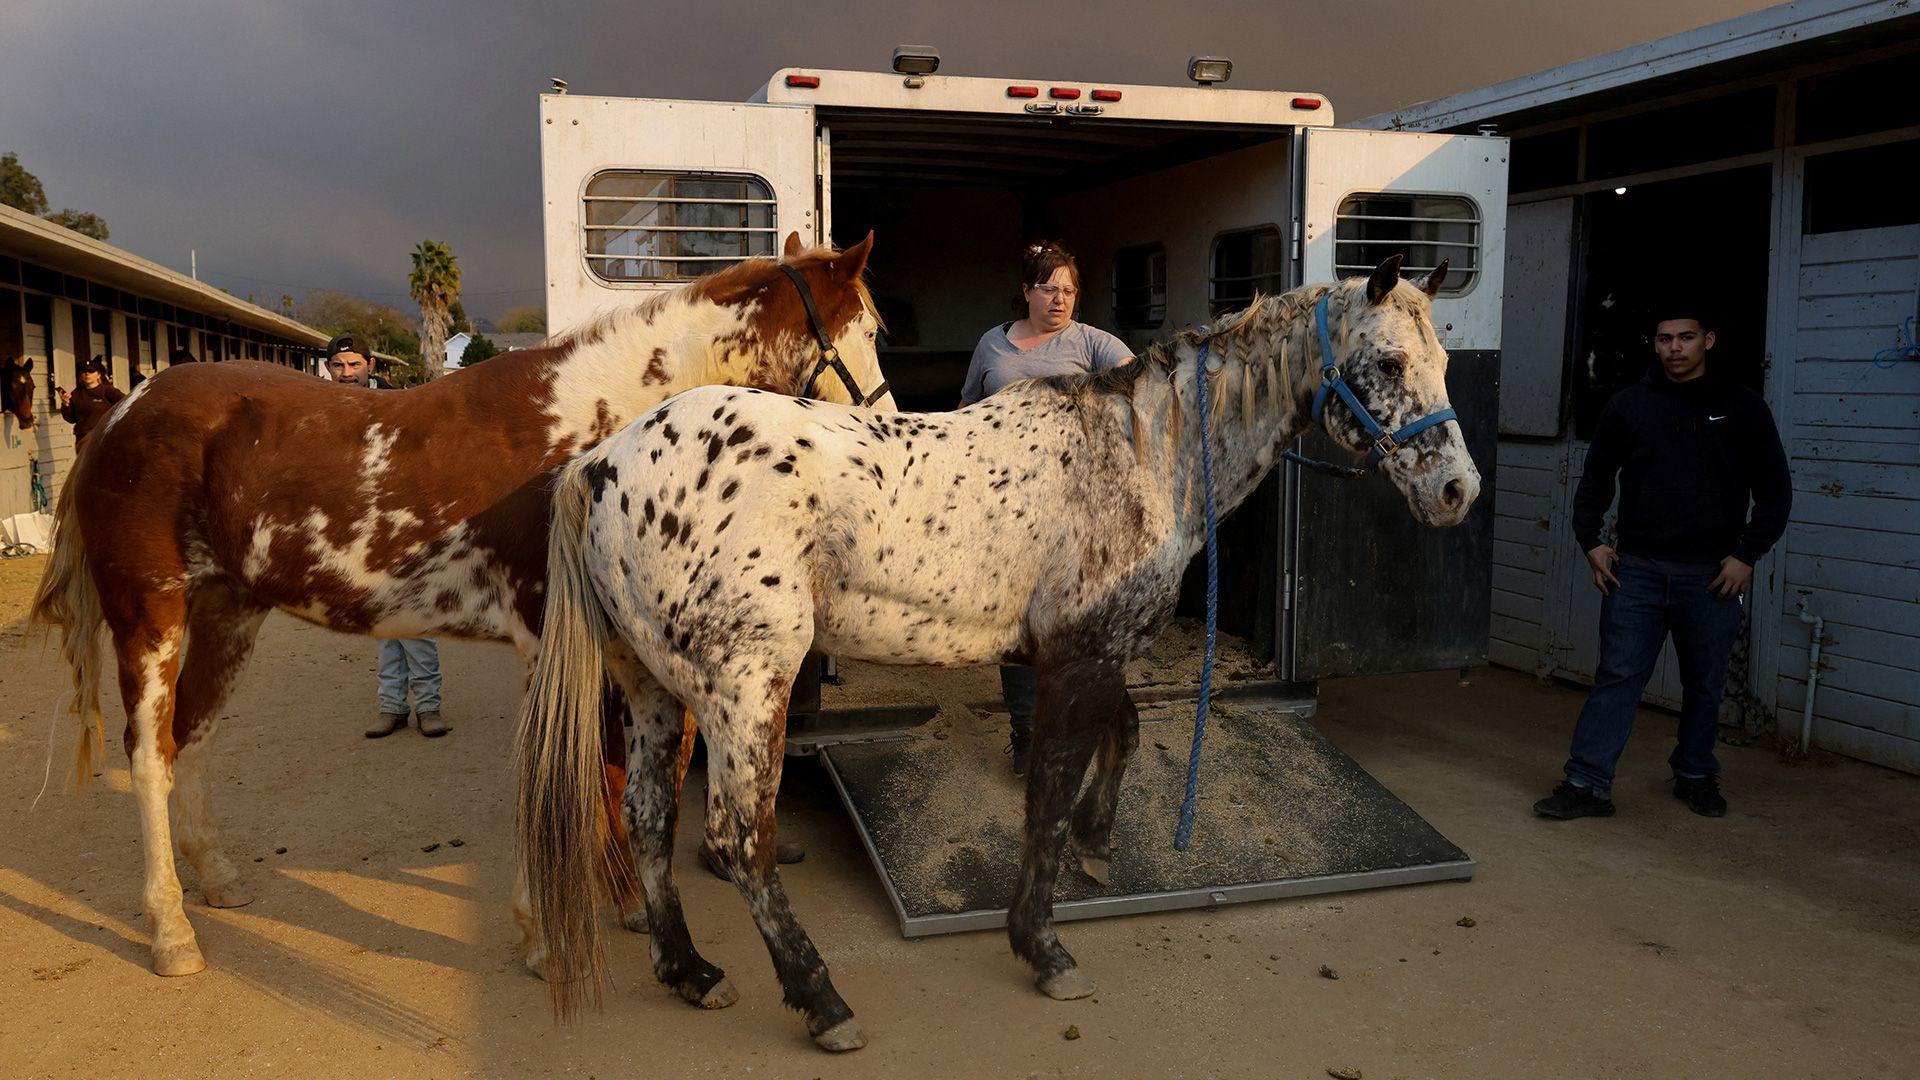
{"x": 785, "y": 852}
{"x": 1020, "y": 746}
{"x": 1701, "y": 794}
{"x": 386, "y": 724}
{"x": 431, "y": 725}
{"x": 1570, "y": 801}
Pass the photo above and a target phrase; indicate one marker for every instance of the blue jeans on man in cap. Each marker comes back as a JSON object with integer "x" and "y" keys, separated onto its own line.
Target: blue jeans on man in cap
{"x": 1656, "y": 598}
{"x": 409, "y": 662}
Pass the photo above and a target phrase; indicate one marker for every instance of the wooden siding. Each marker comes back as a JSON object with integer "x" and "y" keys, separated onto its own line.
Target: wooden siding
{"x": 1853, "y": 548}
{"x": 1526, "y": 493}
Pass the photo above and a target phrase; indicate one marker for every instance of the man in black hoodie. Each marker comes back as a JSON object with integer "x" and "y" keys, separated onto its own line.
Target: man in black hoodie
{"x": 1691, "y": 450}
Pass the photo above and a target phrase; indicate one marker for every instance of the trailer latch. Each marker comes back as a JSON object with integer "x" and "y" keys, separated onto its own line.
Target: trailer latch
{"x": 1043, "y": 106}
{"x": 1084, "y": 109}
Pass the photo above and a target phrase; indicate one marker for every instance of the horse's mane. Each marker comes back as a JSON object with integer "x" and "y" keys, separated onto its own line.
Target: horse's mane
{"x": 737, "y": 276}
{"x": 1250, "y": 340}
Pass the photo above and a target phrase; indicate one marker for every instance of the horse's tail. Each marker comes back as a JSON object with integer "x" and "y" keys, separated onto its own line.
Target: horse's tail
{"x": 561, "y": 821}
{"x": 68, "y": 598}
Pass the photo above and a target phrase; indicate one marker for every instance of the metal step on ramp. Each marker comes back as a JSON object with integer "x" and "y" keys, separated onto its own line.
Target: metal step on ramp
{"x": 1283, "y": 812}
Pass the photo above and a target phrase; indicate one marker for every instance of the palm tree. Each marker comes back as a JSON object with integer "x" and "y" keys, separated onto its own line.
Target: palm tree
{"x": 435, "y": 283}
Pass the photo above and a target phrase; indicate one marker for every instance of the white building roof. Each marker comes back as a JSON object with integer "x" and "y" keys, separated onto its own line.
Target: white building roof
{"x": 1746, "y": 36}
{"x": 27, "y": 237}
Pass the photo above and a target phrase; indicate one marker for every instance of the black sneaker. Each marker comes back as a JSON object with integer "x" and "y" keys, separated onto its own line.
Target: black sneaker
{"x": 1019, "y": 743}
{"x": 1570, "y": 801}
{"x": 1701, "y": 794}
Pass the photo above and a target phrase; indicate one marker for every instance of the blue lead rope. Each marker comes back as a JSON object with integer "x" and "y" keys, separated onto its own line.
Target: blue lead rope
{"x": 1183, "y": 834}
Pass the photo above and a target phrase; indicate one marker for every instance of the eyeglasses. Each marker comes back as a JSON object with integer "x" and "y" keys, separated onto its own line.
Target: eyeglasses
{"x": 1055, "y": 292}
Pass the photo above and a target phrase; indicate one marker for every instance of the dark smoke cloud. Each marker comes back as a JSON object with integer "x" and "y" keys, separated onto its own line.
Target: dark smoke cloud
{"x": 312, "y": 144}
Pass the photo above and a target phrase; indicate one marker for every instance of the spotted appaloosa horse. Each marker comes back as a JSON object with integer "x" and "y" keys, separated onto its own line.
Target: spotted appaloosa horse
{"x": 1048, "y": 524}
{"x": 217, "y": 492}
{"x": 16, "y": 390}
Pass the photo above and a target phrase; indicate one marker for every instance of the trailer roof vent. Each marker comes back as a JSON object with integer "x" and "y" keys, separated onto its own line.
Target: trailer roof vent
{"x": 916, "y": 59}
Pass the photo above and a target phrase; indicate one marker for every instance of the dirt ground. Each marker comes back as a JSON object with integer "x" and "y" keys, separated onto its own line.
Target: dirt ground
{"x": 1783, "y": 940}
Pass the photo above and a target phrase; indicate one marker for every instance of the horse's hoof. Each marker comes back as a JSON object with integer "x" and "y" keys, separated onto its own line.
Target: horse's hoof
{"x": 176, "y": 960}
{"x": 635, "y": 921}
{"x": 230, "y": 895}
{"x": 718, "y": 996}
{"x": 536, "y": 968}
{"x": 1069, "y": 985}
{"x": 722, "y": 995}
{"x": 842, "y": 1037}
{"x": 1098, "y": 868}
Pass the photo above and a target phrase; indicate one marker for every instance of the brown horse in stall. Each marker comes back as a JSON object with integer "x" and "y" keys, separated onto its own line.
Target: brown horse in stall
{"x": 16, "y": 390}
{"x": 218, "y": 492}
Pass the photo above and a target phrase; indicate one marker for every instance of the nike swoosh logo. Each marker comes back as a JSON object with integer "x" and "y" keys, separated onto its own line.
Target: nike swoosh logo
{"x": 1716, "y": 417}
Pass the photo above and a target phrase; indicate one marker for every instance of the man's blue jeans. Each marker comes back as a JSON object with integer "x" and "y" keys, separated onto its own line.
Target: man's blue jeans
{"x": 1656, "y": 599}
{"x": 408, "y": 662}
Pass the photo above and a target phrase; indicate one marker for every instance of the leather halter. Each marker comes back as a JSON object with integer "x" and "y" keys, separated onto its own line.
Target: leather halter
{"x": 829, "y": 356}
{"x": 1332, "y": 382}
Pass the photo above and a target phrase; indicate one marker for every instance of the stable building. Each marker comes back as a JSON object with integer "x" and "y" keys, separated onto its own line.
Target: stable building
{"x": 1764, "y": 165}
{"x": 65, "y": 298}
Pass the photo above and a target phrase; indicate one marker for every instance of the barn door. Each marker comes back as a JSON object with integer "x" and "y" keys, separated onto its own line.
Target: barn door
{"x": 1368, "y": 589}
{"x": 641, "y": 195}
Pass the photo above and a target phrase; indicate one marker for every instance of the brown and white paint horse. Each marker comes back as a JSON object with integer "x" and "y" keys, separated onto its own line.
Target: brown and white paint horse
{"x": 16, "y": 390}
{"x": 218, "y": 492}
{"x": 1049, "y": 524}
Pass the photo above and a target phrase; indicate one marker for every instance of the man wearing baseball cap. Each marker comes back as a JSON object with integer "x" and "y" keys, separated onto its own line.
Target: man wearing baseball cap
{"x": 350, "y": 363}
{"x": 86, "y": 407}
{"x": 405, "y": 663}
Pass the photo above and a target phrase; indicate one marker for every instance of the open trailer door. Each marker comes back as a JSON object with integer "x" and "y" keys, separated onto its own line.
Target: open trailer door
{"x": 640, "y": 195}
{"x": 1368, "y": 590}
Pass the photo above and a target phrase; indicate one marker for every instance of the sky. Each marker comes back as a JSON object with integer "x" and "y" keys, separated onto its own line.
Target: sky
{"x": 299, "y": 144}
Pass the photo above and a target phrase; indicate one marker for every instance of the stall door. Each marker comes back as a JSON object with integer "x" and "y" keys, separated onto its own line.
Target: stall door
{"x": 1368, "y": 589}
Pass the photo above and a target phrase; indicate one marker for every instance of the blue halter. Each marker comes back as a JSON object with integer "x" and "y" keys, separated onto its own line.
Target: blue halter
{"x": 1332, "y": 382}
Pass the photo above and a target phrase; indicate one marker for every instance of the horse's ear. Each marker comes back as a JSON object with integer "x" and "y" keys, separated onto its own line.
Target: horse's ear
{"x": 1385, "y": 277}
{"x": 27, "y": 365}
{"x": 1435, "y": 280}
{"x": 794, "y": 246}
{"x": 851, "y": 263}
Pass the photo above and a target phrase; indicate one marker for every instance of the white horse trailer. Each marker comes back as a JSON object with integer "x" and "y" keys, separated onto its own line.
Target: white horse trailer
{"x": 1180, "y": 203}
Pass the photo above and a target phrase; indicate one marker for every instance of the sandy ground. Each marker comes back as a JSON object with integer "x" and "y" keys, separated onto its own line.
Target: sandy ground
{"x": 1782, "y": 941}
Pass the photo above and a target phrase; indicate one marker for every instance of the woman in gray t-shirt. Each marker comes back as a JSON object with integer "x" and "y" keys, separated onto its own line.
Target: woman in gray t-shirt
{"x": 1046, "y": 342}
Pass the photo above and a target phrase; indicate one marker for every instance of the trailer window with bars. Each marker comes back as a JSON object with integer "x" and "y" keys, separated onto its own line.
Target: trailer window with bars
{"x": 660, "y": 226}
{"x": 1423, "y": 229}
{"x": 1245, "y": 262}
{"x": 1140, "y": 287}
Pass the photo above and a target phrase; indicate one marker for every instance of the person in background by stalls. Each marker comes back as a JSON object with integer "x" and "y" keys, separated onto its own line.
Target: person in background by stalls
{"x": 1045, "y": 340}
{"x": 1692, "y": 449}
{"x": 405, "y": 663}
{"x": 86, "y": 407}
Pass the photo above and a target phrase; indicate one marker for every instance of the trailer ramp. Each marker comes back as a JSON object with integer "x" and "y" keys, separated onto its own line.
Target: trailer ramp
{"x": 1283, "y": 812}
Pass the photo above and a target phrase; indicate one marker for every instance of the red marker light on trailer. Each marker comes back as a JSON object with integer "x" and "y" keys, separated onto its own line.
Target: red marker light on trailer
{"x": 1308, "y": 103}
{"x": 1106, "y": 95}
{"x": 1064, "y": 93}
{"x": 1023, "y": 91}
{"x": 804, "y": 82}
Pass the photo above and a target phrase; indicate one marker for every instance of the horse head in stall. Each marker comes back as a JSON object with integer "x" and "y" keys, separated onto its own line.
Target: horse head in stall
{"x": 17, "y": 384}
